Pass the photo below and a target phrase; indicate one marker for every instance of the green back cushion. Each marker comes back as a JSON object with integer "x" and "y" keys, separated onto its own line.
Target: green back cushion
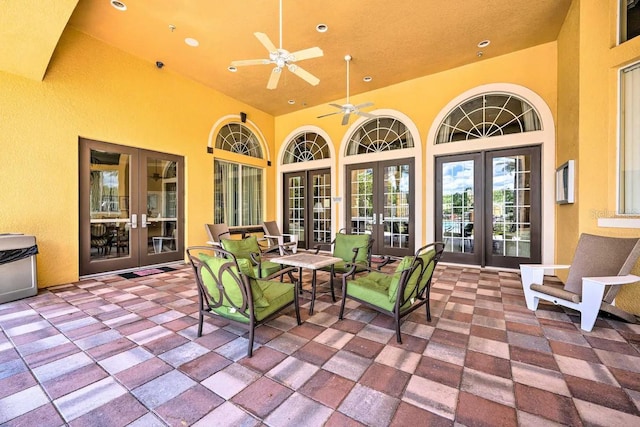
{"x": 241, "y": 248}
{"x": 413, "y": 280}
{"x": 346, "y": 242}
{"x": 427, "y": 257}
{"x": 395, "y": 281}
{"x": 231, "y": 286}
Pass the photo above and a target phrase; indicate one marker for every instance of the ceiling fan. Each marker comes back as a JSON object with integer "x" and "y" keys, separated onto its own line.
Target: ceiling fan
{"x": 282, "y": 58}
{"x": 348, "y": 108}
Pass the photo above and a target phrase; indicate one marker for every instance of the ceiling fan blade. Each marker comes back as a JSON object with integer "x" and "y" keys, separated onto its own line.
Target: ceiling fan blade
{"x": 345, "y": 119}
{"x": 312, "y": 52}
{"x": 243, "y": 62}
{"x": 266, "y": 41}
{"x": 274, "y": 78}
{"x": 329, "y": 114}
{"x": 336, "y": 105}
{"x": 364, "y": 114}
{"x": 366, "y": 104}
{"x": 304, "y": 75}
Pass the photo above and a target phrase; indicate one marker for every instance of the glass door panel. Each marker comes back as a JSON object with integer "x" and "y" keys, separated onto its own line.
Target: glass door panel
{"x": 321, "y": 182}
{"x": 380, "y": 202}
{"x": 361, "y": 215}
{"x": 458, "y": 209}
{"x": 160, "y": 218}
{"x": 396, "y": 204}
{"x": 294, "y": 206}
{"x": 514, "y": 200}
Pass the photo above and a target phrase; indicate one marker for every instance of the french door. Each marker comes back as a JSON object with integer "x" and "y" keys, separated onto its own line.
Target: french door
{"x": 488, "y": 207}
{"x": 307, "y": 206}
{"x": 131, "y": 207}
{"x": 380, "y": 201}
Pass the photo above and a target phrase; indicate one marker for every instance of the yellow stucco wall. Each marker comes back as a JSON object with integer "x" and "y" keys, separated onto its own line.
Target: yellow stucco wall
{"x": 588, "y": 68}
{"x": 95, "y": 91}
{"x": 422, "y": 99}
{"x": 568, "y": 131}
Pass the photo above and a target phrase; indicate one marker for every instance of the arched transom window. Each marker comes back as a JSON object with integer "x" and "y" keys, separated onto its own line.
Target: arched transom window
{"x": 238, "y": 138}
{"x": 304, "y": 147}
{"x": 378, "y": 135}
{"x": 487, "y": 115}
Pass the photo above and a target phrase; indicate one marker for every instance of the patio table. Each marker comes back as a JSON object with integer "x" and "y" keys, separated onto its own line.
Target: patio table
{"x": 312, "y": 261}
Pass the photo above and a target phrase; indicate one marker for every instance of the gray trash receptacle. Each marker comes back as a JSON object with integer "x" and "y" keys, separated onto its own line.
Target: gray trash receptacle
{"x": 17, "y": 267}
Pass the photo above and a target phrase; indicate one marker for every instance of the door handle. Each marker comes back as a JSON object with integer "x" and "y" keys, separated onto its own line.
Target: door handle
{"x": 381, "y": 219}
{"x": 134, "y": 221}
{"x": 143, "y": 222}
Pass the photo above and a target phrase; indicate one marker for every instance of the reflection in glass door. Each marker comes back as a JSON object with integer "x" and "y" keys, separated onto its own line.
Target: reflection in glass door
{"x": 130, "y": 207}
{"x": 379, "y": 202}
{"x": 298, "y": 207}
{"x": 488, "y": 207}
{"x": 459, "y": 209}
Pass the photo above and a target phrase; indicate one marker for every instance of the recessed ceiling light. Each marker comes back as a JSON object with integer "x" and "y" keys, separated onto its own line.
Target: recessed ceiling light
{"x": 479, "y": 54}
{"x": 291, "y": 101}
{"x": 192, "y": 42}
{"x": 484, "y": 43}
{"x": 322, "y": 28}
{"x": 118, "y": 5}
{"x": 367, "y": 79}
{"x": 232, "y": 68}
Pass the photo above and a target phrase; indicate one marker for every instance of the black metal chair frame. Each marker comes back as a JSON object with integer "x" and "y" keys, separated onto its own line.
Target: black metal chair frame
{"x": 208, "y": 302}
{"x": 420, "y": 295}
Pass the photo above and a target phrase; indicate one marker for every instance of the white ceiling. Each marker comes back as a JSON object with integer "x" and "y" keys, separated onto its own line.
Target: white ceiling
{"x": 389, "y": 40}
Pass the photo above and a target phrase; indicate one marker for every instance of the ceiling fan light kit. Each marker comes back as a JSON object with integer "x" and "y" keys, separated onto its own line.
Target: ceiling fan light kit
{"x": 348, "y": 108}
{"x": 282, "y": 58}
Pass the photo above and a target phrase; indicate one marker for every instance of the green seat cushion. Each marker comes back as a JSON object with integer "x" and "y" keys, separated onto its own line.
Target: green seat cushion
{"x": 277, "y": 294}
{"x": 345, "y": 243}
{"x": 372, "y": 288}
{"x": 231, "y": 285}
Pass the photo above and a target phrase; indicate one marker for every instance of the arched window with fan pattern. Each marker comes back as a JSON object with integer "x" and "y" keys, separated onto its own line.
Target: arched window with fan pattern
{"x": 486, "y": 116}
{"x": 238, "y": 188}
{"x": 237, "y": 138}
{"x": 378, "y": 135}
{"x": 305, "y": 147}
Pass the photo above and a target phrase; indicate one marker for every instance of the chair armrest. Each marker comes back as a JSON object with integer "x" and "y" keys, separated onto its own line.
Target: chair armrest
{"x": 277, "y": 274}
{"x": 319, "y": 247}
{"x": 611, "y": 280}
{"x": 352, "y": 267}
{"x": 534, "y": 273}
{"x": 381, "y": 260}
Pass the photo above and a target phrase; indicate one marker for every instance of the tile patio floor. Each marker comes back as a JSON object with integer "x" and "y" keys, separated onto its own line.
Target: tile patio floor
{"x": 114, "y": 352}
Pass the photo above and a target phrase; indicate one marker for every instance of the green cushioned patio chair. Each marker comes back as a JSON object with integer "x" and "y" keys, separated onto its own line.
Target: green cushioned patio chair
{"x": 399, "y": 293}
{"x": 249, "y": 249}
{"x": 227, "y": 289}
{"x": 355, "y": 251}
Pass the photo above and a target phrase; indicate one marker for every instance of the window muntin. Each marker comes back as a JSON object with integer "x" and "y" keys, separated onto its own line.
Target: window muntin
{"x": 238, "y": 138}
{"x": 378, "y": 135}
{"x": 238, "y": 194}
{"x": 629, "y": 19}
{"x": 629, "y": 145}
{"x": 487, "y": 115}
{"x": 305, "y": 147}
